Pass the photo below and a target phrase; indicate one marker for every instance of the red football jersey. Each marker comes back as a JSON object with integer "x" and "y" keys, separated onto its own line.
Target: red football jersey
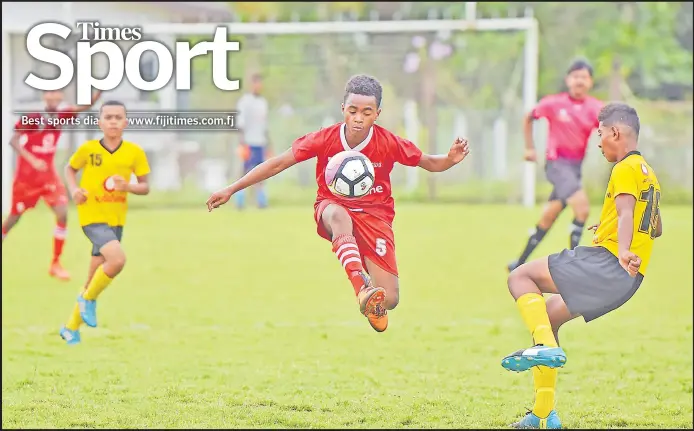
{"x": 571, "y": 123}
{"x": 382, "y": 147}
{"x": 40, "y": 139}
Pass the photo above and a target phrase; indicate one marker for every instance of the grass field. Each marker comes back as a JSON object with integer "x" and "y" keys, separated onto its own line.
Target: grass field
{"x": 246, "y": 320}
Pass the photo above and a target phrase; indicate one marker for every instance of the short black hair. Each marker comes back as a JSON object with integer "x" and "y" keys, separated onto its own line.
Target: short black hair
{"x": 112, "y": 103}
{"x": 364, "y": 85}
{"x": 620, "y": 113}
{"x": 580, "y": 64}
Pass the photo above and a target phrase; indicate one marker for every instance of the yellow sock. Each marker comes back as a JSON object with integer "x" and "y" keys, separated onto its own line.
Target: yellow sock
{"x": 545, "y": 380}
{"x": 75, "y": 320}
{"x": 99, "y": 282}
{"x": 534, "y": 313}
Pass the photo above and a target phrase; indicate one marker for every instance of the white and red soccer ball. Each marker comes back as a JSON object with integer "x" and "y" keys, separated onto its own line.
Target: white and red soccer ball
{"x": 109, "y": 184}
{"x": 349, "y": 174}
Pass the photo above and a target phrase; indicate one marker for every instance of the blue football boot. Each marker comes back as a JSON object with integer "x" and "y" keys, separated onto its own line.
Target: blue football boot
{"x": 524, "y": 359}
{"x": 70, "y": 336}
{"x": 87, "y": 311}
{"x": 532, "y": 421}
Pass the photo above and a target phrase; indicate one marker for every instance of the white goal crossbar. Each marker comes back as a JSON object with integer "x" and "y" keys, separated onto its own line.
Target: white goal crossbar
{"x": 528, "y": 25}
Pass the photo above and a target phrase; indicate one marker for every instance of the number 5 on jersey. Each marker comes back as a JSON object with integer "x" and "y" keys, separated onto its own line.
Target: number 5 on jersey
{"x": 381, "y": 247}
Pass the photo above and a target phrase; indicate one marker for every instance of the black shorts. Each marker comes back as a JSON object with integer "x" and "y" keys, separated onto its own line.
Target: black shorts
{"x": 591, "y": 281}
{"x": 565, "y": 176}
{"x": 101, "y": 234}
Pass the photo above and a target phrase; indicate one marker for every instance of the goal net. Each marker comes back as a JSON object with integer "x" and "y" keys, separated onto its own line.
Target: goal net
{"x": 441, "y": 79}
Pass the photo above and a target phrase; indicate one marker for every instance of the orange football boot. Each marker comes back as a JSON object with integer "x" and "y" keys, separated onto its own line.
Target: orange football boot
{"x": 58, "y": 272}
{"x": 379, "y": 318}
{"x": 370, "y": 300}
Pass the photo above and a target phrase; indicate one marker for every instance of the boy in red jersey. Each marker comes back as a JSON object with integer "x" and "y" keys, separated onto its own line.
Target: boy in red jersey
{"x": 572, "y": 117}
{"x": 35, "y": 140}
{"x": 360, "y": 229}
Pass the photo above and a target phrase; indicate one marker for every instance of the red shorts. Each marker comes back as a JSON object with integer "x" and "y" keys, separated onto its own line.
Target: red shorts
{"x": 25, "y": 196}
{"x": 374, "y": 237}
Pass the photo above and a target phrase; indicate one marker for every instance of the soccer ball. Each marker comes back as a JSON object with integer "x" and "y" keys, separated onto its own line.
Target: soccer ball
{"x": 349, "y": 174}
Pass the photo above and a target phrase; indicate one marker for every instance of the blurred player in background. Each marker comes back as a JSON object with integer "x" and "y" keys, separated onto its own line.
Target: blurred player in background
{"x": 102, "y": 202}
{"x": 360, "y": 229}
{"x": 35, "y": 140}
{"x": 252, "y": 123}
{"x": 572, "y": 117}
{"x": 589, "y": 281}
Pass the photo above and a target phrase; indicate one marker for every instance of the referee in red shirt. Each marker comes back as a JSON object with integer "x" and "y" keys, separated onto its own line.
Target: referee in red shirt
{"x": 572, "y": 117}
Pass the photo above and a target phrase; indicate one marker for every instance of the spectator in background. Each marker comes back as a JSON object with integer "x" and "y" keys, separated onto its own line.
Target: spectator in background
{"x": 252, "y": 123}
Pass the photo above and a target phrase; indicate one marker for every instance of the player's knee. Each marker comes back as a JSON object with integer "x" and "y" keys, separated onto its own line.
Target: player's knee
{"x": 582, "y": 211}
{"x": 515, "y": 280}
{"x": 61, "y": 217}
{"x": 117, "y": 262}
{"x": 114, "y": 258}
{"x": 392, "y": 299}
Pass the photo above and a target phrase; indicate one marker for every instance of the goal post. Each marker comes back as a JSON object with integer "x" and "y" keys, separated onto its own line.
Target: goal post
{"x": 523, "y": 73}
{"x": 328, "y": 27}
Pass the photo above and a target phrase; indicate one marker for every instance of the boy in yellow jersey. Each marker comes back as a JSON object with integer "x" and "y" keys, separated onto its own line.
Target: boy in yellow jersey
{"x": 102, "y": 203}
{"x": 589, "y": 281}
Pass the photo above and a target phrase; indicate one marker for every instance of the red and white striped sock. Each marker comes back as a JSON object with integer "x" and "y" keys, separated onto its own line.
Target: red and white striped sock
{"x": 347, "y": 252}
{"x": 59, "y": 235}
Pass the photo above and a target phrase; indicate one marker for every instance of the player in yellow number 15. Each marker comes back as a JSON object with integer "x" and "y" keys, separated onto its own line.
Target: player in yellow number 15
{"x": 102, "y": 202}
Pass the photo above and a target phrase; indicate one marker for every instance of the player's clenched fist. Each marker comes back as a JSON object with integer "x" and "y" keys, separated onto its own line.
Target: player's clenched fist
{"x": 630, "y": 262}
{"x": 218, "y": 198}
{"x": 79, "y": 196}
{"x": 459, "y": 150}
{"x": 119, "y": 183}
{"x": 530, "y": 155}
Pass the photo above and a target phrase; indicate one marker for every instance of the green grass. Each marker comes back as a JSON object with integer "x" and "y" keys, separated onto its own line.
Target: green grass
{"x": 246, "y": 320}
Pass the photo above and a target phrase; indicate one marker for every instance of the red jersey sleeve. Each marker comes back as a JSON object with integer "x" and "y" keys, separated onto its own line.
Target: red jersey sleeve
{"x": 307, "y": 146}
{"x": 544, "y": 108}
{"x": 406, "y": 153}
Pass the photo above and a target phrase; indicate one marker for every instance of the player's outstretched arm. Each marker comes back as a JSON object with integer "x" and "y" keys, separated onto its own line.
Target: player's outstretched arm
{"x": 260, "y": 173}
{"x": 439, "y": 163}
